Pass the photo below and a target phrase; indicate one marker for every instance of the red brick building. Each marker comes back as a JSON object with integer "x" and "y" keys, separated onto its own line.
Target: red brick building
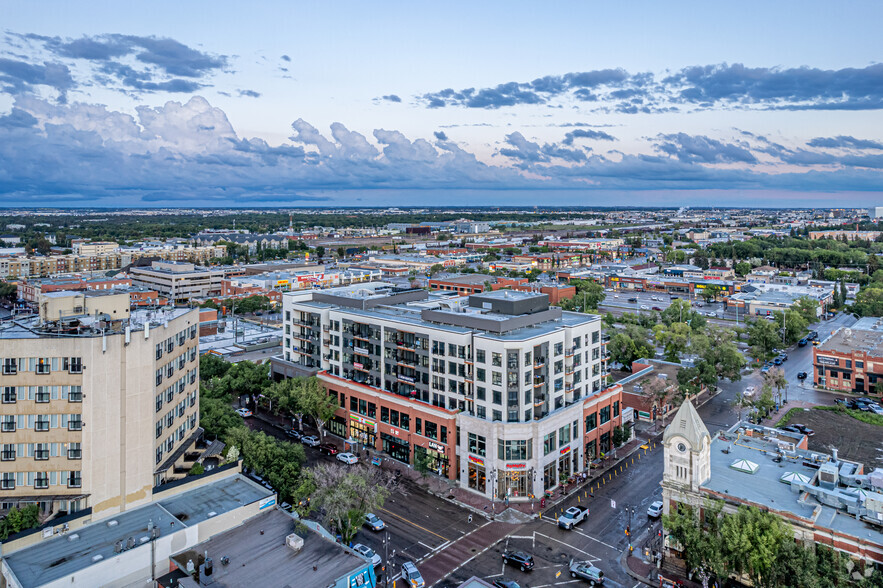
{"x": 851, "y": 359}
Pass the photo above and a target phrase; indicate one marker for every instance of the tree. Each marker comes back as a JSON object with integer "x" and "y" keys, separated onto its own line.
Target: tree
{"x": 346, "y": 494}
{"x": 658, "y": 391}
{"x": 19, "y": 519}
{"x": 699, "y": 539}
{"x": 674, "y": 339}
{"x": 742, "y": 268}
{"x": 317, "y": 403}
{"x": 589, "y": 293}
{"x": 869, "y": 301}
{"x": 320, "y": 251}
{"x": 341, "y": 252}
{"x": 216, "y": 415}
{"x": 421, "y": 462}
{"x": 807, "y": 308}
{"x": 763, "y": 337}
{"x": 278, "y": 461}
{"x": 775, "y": 379}
{"x": 630, "y": 345}
{"x": 752, "y": 543}
{"x": 434, "y": 269}
{"x": 681, "y": 311}
{"x": 716, "y": 348}
{"x": 795, "y": 325}
{"x": 8, "y": 291}
{"x": 212, "y": 366}
{"x": 764, "y": 403}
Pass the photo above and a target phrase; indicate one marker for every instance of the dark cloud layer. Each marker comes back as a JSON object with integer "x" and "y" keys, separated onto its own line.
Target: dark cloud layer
{"x": 844, "y": 142}
{"x": 706, "y": 86}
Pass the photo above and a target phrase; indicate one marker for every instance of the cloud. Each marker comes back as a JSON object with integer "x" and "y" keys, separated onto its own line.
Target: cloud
{"x": 286, "y": 58}
{"x": 701, "y": 86}
{"x": 19, "y": 76}
{"x": 702, "y": 149}
{"x": 391, "y": 98}
{"x": 440, "y": 135}
{"x": 844, "y": 142}
{"x": 249, "y": 93}
{"x": 189, "y": 152}
{"x": 580, "y": 133}
{"x": 134, "y": 63}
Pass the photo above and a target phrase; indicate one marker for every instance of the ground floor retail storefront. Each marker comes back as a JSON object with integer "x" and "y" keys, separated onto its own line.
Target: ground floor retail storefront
{"x": 515, "y": 481}
{"x": 398, "y": 449}
{"x": 363, "y": 431}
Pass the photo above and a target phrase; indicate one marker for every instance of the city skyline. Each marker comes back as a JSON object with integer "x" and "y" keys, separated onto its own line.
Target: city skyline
{"x": 394, "y": 105}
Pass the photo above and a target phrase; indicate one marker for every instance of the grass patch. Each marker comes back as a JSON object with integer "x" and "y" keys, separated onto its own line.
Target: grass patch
{"x": 865, "y": 417}
{"x": 788, "y": 416}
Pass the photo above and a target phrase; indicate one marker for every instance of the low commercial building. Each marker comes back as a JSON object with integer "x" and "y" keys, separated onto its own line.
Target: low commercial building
{"x": 473, "y": 283}
{"x": 30, "y": 289}
{"x": 761, "y": 299}
{"x": 135, "y": 547}
{"x": 178, "y": 281}
{"x": 851, "y": 359}
{"x": 823, "y": 498}
{"x": 111, "y": 305}
{"x": 649, "y": 374}
{"x": 499, "y": 390}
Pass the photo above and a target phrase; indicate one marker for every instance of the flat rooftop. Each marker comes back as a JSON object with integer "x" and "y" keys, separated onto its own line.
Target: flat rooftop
{"x": 865, "y": 335}
{"x": 258, "y": 554}
{"x": 67, "y": 554}
{"x": 32, "y": 327}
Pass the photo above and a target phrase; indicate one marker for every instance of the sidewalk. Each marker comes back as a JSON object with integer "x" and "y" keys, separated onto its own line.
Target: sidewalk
{"x": 774, "y": 417}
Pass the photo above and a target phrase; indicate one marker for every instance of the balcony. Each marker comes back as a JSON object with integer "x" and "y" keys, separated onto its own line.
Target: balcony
{"x": 539, "y": 362}
{"x": 360, "y": 351}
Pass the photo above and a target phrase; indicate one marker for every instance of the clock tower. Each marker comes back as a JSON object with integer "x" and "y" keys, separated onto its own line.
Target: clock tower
{"x": 687, "y": 457}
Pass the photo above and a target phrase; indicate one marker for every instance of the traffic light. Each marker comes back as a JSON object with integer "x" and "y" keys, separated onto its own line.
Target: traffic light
{"x": 628, "y": 530}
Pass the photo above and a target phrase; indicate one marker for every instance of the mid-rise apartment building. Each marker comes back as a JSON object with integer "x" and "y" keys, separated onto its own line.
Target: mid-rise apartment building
{"x": 497, "y": 390}
{"x": 96, "y": 410}
{"x": 178, "y": 281}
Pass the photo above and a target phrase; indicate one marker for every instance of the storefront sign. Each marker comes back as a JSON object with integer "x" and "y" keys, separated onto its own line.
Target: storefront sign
{"x": 267, "y": 502}
{"x": 476, "y": 460}
{"x": 362, "y": 578}
{"x": 436, "y": 446}
{"x": 565, "y": 450}
{"x": 516, "y": 466}
{"x": 364, "y": 421}
{"x": 360, "y": 350}
{"x": 406, "y": 378}
{"x": 827, "y": 360}
{"x": 394, "y": 431}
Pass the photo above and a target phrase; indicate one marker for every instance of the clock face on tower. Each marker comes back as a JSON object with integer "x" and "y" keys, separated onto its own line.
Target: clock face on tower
{"x": 681, "y": 447}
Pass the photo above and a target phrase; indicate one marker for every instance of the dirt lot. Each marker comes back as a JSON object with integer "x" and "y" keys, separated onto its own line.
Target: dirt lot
{"x": 854, "y": 440}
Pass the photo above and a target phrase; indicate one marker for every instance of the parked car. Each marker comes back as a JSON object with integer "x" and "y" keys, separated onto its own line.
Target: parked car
{"x": 368, "y": 553}
{"x": 791, "y": 429}
{"x": 802, "y": 343}
{"x": 656, "y": 308}
{"x": 765, "y": 369}
{"x": 804, "y": 429}
{"x": 697, "y": 304}
{"x": 294, "y": 434}
{"x": 813, "y": 335}
{"x": 801, "y": 375}
{"x": 655, "y": 510}
{"x": 505, "y": 584}
{"x": 347, "y": 458}
{"x": 870, "y": 407}
{"x": 373, "y": 522}
{"x": 876, "y": 409}
{"x": 586, "y": 571}
{"x": 244, "y": 412}
{"x": 411, "y": 575}
{"x": 310, "y": 440}
{"x": 519, "y": 559}
{"x": 778, "y": 360}
{"x": 328, "y": 449}
{"x": 783, "y": 356}
{"x": 632, "y": 299}
{"x": 645, "y": 307}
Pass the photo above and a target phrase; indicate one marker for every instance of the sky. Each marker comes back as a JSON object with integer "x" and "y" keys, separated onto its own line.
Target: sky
{"x": 353, "y": 103}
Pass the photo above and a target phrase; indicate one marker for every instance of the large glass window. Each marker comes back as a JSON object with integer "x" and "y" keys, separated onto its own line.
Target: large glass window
{"x": 549, "y": 444}
{"x": 479, "y": 355}
{"x": 497, "y": 359}
{"x": 605, "y": 414}
{"x": 477, "y": 444}
{"x": 616, "y": 409}
{"x": 430, "y": 430}
{"x": 509, "y": 450}
{"x": 564, "y": 434}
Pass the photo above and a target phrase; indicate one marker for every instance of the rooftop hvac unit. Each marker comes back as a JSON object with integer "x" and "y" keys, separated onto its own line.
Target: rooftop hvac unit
{"x": 294, "y": 542}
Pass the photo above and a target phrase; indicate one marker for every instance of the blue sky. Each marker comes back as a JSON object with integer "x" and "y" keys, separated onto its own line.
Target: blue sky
{"x": 403, "y": 103}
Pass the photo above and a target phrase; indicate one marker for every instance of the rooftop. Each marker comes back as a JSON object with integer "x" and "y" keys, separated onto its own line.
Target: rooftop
{"x": 865, "y": 335}
{"x": 66, "y": 554}
{"x": 258, "y": 552}
{"x": 32, "y": 327}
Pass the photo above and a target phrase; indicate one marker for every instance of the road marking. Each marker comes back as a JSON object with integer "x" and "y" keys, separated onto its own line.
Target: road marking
{"x": 468, "y": 560}
{"x": 578, "y": 532}
{"x": 520, "y": 536}
{"x": 414, "y": 524}
{"x": 592, "y": 558}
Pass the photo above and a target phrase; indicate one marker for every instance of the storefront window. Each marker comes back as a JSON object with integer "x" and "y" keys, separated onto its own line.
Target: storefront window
{"x": 436, "y": 461}
{"x": 591, "y": 450}
{"x": 337, "y": 426}
{"x": 396, "y": 448}
{"x": 605, "y": 442}
{"x": 550, "y": 479}
{"x": 363, "y": 431}
{"x": 514, "y": 450}
{"x": 477, "y": 477}
{"x": 513, "y": 484}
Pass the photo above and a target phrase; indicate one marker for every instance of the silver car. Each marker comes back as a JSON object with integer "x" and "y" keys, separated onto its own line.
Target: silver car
{"x": 367, "y": 553}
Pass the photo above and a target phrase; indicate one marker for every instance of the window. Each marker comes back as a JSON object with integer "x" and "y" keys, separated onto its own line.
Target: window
{"x": 480, "y": 392}
{"x": 7, "y": 425}
{"x": 591, "y": 422}
{"x": 444, "y": 434}
{"x": 430, "y": 430}
{"x": 559, "y": 366}
{"x": 596, "y": 336}
{"x": 8, "y": 453}
{"x": 418, "y": 426}
{"x": 616, "y": 409}
{"x": 43, "y": 365}
{"x": 42, "y": 423}
{"x": 404, "y": 420}
{"x": 75, "y": 423}
{"x": 481, "y": 374}
{"x": 512, "y": 416}
{"x": 384, "y": 414}
{"x": 514, "y": 450}
{"x": 74, "y": 451}
{"x": 859, "y": 364}
{"x": 564, "y": 434}
{"x": 10, "y": 366}
{"x": 847, "y": 363}
{"x": 7, "y": 482}
{"x": 479, "y": 356}
{"x": 41, "y": 451}
{"x": 477, "y": 444}
{"x": 497, "y": 378}
{"x": 498, "y": 397}
{"x": 527, "y": 362}
{"x": 9, "y": 395}
{"x": 41, "y": 481}
{"x": 549, "y": 444}
{"x": 76, "y": 365}
{"x": 559, "y": 348}
{"x": 481, "y": 412}
{"x": 74, "y": 480}
{"x": 497, "y": 359}
{"x": 75, "y": 394}
{"x": 605, "y": 414}
{"x": 42, "y": 394}
{"x": 498, "y": 415}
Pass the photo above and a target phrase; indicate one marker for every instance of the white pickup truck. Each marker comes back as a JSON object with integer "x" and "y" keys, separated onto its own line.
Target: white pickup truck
{"x": 572, "y": 516}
